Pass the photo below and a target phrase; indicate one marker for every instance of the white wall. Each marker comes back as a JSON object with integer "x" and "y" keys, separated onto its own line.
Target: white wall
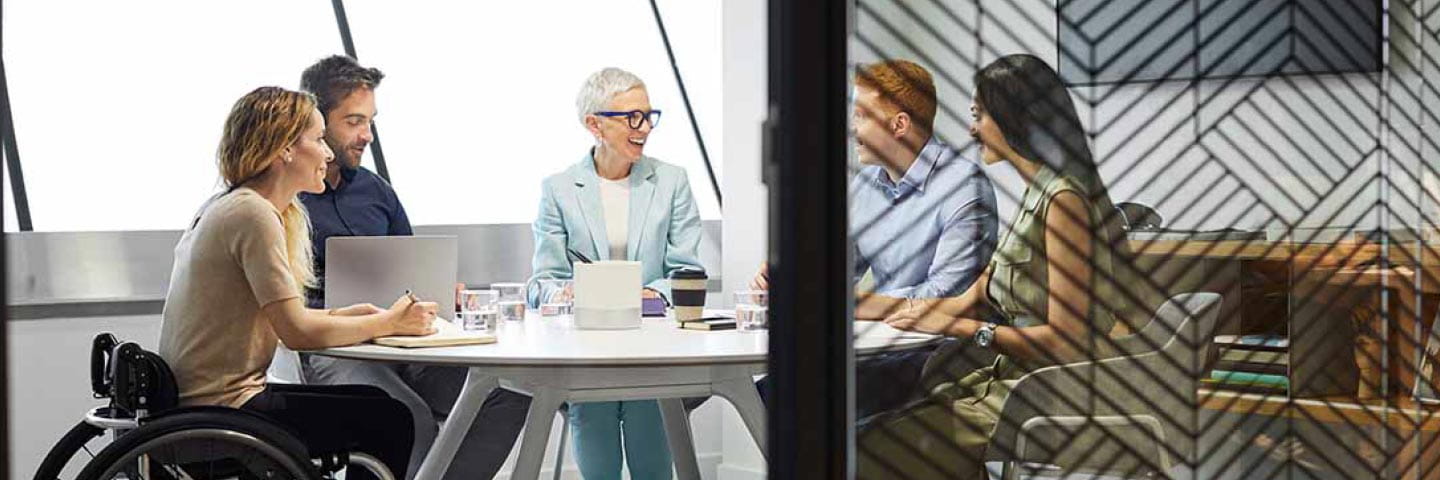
{"x": 745, "y": 210}
{"x": 42, "y": 406}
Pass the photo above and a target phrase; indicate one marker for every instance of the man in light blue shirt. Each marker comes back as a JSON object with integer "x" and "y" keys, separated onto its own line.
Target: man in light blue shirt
{"x": 922, "y": 219}
{"x": 929, "y": 234}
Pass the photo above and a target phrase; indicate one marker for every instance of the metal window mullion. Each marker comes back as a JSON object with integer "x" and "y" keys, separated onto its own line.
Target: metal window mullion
{"x": 342, "y": 22}
{"x": 12, "y": 157}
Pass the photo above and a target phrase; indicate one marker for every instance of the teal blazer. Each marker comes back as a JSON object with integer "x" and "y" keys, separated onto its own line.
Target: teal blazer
{"x": 663, "y": 232}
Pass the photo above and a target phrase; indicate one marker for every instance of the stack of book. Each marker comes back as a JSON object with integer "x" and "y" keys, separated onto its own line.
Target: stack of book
{"x": 1251, "y": 363}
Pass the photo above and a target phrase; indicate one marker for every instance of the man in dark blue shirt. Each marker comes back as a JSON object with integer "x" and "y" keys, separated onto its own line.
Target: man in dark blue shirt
{"x": 356, "y": 201}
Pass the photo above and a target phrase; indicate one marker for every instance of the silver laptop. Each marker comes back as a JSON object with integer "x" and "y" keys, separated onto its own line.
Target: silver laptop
{"x": 379, "y": 270}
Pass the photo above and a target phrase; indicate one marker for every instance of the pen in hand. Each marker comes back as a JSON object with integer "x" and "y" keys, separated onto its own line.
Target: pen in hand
{"x": 416, "y": 322}
{"x": 578, "y": 256}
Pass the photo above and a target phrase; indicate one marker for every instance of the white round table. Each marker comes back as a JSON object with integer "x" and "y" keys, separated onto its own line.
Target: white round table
{"x": 553, "y": 362}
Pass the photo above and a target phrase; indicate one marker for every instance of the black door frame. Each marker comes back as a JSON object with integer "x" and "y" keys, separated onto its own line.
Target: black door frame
{"x": 810, "y": 421}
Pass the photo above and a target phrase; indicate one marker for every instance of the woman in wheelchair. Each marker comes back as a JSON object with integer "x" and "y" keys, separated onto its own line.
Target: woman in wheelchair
{"x": 1060, "y": 276}
{"x": 238, "y": 282}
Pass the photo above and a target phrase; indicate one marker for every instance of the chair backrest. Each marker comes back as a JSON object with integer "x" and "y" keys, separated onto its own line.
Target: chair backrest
{"x": 1139, "y": 216}
{"x": 1182, "y": 329}
{"x": 1157, "y": 373}
{"x": 138, "y": 382}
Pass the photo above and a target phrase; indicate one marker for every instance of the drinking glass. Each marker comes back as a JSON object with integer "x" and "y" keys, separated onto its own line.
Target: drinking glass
{"x": 478, "y": 310}
{"x": 557, "y": 296}
{"x": 511, "y": 301}
{"x": 752, "y": 309}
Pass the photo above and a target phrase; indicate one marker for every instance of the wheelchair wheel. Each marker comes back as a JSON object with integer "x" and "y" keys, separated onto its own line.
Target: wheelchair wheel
{"x": 64, "y": 451}
{"x": 203, "y": 445}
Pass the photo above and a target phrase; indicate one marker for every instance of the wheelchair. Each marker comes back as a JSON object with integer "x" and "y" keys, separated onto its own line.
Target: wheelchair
{"x": 155, "y": 439}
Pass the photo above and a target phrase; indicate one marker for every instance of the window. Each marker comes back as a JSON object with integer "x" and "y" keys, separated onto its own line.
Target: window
{"x": 12, "y": 224}
{"x": 478, "y": 102}
{"x": 120, "y": 111}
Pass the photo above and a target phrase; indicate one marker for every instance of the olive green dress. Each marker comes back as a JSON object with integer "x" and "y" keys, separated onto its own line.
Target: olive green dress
{"x": 945, "y": 434}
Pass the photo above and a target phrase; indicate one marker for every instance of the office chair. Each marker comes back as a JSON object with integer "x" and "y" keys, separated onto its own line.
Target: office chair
{"x": 1124, "y": 414}
{"x": 1139, "y": 217}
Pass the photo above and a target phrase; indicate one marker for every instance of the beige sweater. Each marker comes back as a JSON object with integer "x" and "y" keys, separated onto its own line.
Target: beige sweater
{"x": 232, "y": 262}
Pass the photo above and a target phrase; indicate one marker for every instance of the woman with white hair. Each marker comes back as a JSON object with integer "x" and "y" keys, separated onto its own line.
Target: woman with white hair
{"x": 617, "y": 204}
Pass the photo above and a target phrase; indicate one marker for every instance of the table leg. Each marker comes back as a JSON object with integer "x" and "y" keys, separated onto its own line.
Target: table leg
{"x": 543, "y": 404}
{"x": 742, "y": 394}
{"x": 682, "y": 441}
{"x": 472, "y": 396}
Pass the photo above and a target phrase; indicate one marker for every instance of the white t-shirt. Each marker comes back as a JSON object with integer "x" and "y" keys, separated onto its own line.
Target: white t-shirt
{"x": 615, "y": 198}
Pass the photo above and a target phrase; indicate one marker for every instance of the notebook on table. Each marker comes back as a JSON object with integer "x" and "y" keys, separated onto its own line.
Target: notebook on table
{"x": 446, "y": 334}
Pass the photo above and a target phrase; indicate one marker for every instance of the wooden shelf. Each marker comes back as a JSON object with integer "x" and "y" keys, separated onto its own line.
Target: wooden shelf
{"x": 1399, "y": 413}
{"x": 1303, "y": 254}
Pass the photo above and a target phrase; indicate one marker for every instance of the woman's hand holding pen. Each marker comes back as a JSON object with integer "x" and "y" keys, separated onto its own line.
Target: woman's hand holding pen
{"x": 410, "y": 316}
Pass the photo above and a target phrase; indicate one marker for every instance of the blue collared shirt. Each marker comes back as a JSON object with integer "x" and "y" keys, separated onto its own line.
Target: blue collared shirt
{"x": 928, "y": 235}
{"x": 364, "y": 205}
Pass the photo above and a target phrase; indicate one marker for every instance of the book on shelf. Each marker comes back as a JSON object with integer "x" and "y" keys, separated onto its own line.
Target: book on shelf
{"x": 1213, "y": 384}
{"x": 1245, "y": 355}
{"x": 1258, "y": 342}
{"x": 1231, "y": 377}
{"x": 1267, "y": 368}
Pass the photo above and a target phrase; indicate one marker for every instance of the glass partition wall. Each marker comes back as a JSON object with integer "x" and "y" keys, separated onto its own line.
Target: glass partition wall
{"x": 1254, "y": 289}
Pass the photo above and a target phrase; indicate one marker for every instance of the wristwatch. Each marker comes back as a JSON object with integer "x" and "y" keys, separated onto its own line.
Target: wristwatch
{"x": 985, "y": 335}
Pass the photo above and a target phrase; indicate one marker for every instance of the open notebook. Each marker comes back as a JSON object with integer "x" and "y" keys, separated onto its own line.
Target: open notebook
{"x": 446, "y": 334}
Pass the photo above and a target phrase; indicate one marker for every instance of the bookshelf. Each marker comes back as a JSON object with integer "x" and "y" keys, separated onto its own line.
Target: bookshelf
{"x": 1354, "y": 332}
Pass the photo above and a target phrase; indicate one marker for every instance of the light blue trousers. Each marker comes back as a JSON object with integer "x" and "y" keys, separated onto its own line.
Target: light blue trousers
{"x": 596, "y": 429}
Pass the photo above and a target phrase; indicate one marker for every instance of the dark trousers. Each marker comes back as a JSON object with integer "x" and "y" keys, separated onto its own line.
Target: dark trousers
{"x": 890, "y": 381}
{"x": 330, "y": 418}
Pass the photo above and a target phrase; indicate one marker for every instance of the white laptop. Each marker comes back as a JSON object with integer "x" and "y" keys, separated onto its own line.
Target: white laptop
{"x": 380, "y": 270}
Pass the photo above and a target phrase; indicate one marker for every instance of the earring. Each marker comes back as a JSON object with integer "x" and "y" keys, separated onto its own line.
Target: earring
{"x": 289, "y": 159}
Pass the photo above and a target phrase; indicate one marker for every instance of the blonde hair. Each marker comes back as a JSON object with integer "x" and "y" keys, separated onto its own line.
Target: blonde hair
{"x": 261, "y": 124}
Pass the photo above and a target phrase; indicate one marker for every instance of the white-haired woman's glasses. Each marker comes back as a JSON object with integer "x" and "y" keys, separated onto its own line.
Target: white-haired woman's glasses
{"x": 636, "y": 117}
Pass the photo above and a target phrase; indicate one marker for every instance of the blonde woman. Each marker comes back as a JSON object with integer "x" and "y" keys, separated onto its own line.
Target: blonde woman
{"x": 238, "y": 282}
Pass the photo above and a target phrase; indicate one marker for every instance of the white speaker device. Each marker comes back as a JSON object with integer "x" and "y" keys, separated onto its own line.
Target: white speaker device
{"x": 607, "y": 295}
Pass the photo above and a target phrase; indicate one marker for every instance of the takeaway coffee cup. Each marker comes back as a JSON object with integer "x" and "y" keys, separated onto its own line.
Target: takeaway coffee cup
{"x": 688, "y": 289}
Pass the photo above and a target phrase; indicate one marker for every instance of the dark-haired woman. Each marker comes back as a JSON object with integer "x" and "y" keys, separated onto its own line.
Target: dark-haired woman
{"x": 1059, "y": 277}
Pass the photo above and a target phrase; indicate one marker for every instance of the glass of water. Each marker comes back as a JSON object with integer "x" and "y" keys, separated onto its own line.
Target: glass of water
{"x": 512, "y": 300}
{"x": 752, "y": 308}
{"x": 557, "y": 295}
{"x": 478, "y": 310}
